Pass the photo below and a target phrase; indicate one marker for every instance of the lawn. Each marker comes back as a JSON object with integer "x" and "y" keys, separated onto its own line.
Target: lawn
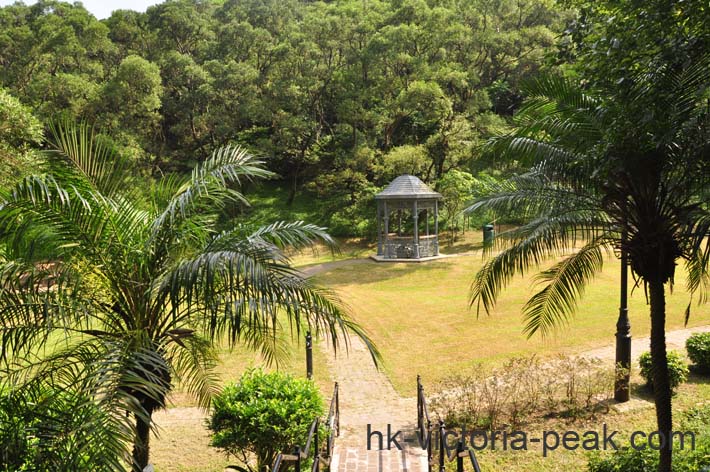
{"x": 419, "y": 316}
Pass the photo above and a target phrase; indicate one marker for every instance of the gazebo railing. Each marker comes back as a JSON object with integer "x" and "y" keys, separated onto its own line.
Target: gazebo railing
{"x": 428, "y": 246}
{"x": 403, "y": 247}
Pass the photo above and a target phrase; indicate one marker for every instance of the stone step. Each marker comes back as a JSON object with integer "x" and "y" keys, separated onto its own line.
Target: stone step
{"x": 353, "y": 459}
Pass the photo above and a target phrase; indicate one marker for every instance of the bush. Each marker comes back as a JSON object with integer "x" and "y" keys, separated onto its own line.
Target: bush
{"x": 262, "y": 415}
{"x": 677, "y": 369}
{"x": 686, "y": 460}
{"x": 698, "y": 347}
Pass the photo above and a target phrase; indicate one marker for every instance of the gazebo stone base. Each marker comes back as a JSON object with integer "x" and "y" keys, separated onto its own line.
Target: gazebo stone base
{"x": 377, "y": 258}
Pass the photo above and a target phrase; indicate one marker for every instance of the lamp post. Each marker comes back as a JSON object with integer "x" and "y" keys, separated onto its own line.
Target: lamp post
{"x": 623, "y": 332}
{"x": 309, "y": 355}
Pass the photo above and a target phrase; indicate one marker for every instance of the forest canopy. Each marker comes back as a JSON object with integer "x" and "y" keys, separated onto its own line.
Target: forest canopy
{"x": 339, "y": 96}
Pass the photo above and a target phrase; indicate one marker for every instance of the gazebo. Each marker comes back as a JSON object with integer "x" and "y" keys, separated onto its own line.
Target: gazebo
{"x": 404, "y": 211}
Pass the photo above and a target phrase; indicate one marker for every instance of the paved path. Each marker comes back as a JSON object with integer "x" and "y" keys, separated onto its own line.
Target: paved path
{"x": 674, "y": 340}
{"x": 367, "y": 398}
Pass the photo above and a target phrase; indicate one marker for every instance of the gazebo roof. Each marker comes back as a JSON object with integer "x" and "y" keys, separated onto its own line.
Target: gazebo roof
{"x": 407, "y": 187}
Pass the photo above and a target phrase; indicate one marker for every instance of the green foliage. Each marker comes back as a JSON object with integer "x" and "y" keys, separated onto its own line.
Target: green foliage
{"x": 647, "y": 460}
{"x": 19, "y": 132}
{"x": 46, "y": 428}
{"x": 695, "y": 420}
{"x": 406, "y": 159}
{"x": 456, "y": 187}
{"x": 132, "y": 96}
{"x": 698, "y": 347}
{"x": 264, "y": 414}
{"x": 612, "y": 40}
{"x": 328, "y": 91}
{"x": 625, "y": 167}
{"x": 677, "y": 369}
{"x": 141, "y": 292}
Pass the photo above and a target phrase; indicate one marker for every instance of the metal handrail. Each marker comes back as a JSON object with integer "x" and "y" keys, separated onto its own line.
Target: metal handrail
{"x": 425, "y": 432}
{"x": 320, "y": 455}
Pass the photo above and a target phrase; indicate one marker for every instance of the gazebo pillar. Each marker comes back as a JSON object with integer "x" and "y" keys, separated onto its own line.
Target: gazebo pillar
{"x": 415, "y": 217}
{"x": 379, "y": 229}
{"x": 426, "y": 218}
{"x": 387, "y": 228}
{"x": 436, "y": 225}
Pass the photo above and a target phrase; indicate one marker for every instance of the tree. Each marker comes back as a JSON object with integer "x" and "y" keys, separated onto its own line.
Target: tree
{"x": 456, "y": 187}
{"x": 136, "y": 297}
{"x": 19, "y": 131}
{"x": 611, "y": 40}
{"x": 131, "y": 99}
{"x": 627, "y": 171}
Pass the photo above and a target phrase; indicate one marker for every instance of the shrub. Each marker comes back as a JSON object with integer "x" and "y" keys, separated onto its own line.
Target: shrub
{"x": 677, "y": 369}
{"x": 262, "y": 415}
{"x": 684, "y": 460}
{"x": 698, "y": 347}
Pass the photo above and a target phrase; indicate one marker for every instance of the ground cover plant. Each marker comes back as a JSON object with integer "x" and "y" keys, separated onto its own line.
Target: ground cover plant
{"x": 694, "y": 420}
{"x": 523, "y": 390}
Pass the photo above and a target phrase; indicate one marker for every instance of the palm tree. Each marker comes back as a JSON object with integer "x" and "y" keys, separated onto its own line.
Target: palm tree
{"x": 624, "y": 172}
{"x": 133, "y": 296}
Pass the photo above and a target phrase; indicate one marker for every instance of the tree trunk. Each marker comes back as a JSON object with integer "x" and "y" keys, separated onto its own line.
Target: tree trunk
{"x": 661, "y": 378}
{"x": 141, "y": 446}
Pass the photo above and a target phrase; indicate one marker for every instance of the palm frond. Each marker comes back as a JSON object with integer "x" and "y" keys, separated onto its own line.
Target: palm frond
{"x": 91, "y": 156}
{"x": 227, "y": 165}
{"x": 532, "y": 195}
{"x": 532, "y": 244}
{"x": 246, "y": 289}
{"x": 193, "y": 359}
{"x": 559, "y": 91}
{"x": 565, "y": 283}
{"x": 698, "y": 268}
{"x": 296, "y": 235}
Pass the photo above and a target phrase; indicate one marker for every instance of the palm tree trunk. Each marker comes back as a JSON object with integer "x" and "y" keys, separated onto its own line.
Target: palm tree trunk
{"x": 141, "y": 446}
{"x": 661, "y": 378}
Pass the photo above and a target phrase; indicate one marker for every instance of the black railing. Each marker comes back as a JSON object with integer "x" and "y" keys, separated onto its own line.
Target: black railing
{"x": 425, "y": 430}
{"x": 322, "y": 455}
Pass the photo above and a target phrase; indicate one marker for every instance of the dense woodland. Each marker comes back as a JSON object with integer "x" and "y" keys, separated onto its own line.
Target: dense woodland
{"x": 340, "y": 96}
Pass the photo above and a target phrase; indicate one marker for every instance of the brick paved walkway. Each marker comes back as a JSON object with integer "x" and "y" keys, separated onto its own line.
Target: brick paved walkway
{"x": 368, "y": 398}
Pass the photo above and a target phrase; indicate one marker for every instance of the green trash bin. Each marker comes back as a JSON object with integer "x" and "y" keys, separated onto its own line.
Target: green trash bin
{"x": 489, "y": 234}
